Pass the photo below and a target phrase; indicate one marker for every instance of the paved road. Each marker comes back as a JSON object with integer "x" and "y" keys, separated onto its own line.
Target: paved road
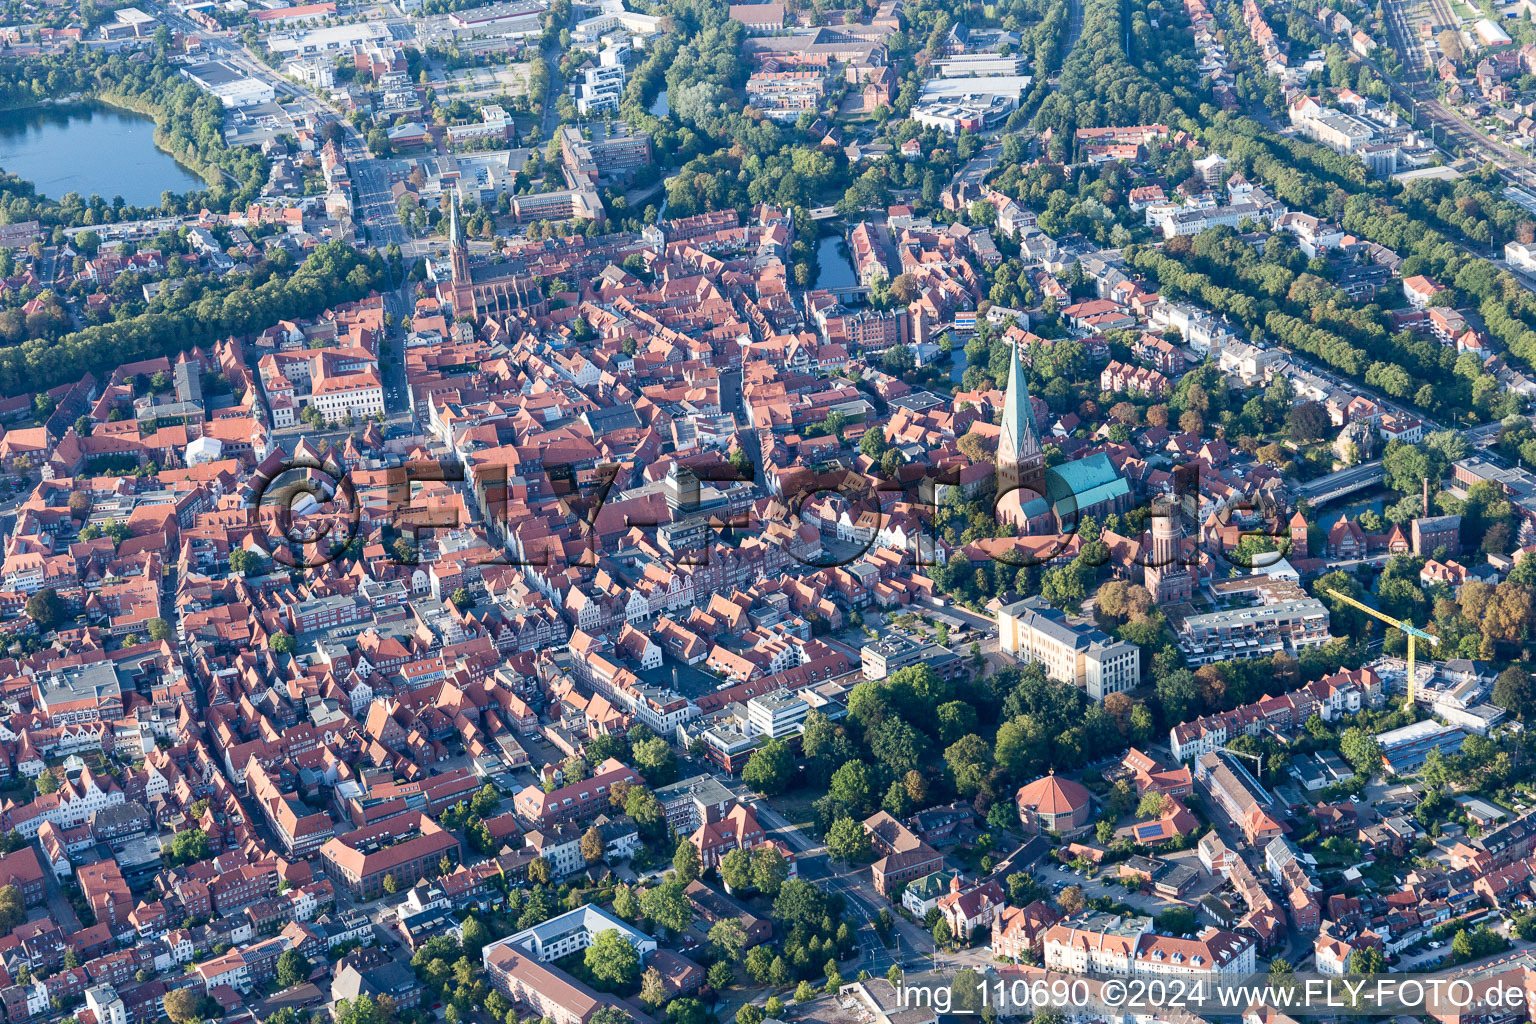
{"x": 864, "y": 904}
{"x": 59, "y": 908}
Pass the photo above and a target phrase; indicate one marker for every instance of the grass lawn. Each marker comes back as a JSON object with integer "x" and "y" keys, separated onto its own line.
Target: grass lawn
{"x": 796, "y": 808}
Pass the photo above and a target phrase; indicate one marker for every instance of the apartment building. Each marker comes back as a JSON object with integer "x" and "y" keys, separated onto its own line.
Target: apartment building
{"x": 407, "y": 848}
{"x": 784, "y": 95}
{"x": 778, "y": 714}
{"x": 579, "y": 801}
{"x": 1233, "y": 787}
{"x": 1099, "y": 942}
{"x": 1343, "y": 692}
{"x": 603, "y": 152}
{"x": 1254, "y": 632}
{"x": 599, "y": 89}
{"x": 358, "y": 395}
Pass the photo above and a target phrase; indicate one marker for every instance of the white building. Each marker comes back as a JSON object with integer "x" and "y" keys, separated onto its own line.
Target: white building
{"x": 104, "y": 1003}
{"x": 776, "y": 714}
{"x": 1521, "y": 256}
{"x": 571, "y": 932}
{"x": 600, "y": 88}
{"x": 359, "y": 394}
{"x": 233, "y": 88}
{"x": 1084, "y": 656}
{"x": 1102, "y": 943}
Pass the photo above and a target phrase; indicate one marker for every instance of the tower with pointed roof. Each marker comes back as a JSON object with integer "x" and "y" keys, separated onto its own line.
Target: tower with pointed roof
{"x": 1020, "y": 462}
{"x": 458, "y": 248}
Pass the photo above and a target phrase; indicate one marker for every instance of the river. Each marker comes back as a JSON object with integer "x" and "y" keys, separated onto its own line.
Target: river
{"x": 90, "y": 149}
{"x": 834, "y": 269}
{"x": 834, "y": 266}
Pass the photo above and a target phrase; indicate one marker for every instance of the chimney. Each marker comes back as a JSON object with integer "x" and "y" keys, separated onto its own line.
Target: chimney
{"x": 1426, "y": 497}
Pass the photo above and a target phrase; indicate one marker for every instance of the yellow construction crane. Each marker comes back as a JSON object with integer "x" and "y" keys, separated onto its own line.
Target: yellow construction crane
{"x": 1413, "y": 632}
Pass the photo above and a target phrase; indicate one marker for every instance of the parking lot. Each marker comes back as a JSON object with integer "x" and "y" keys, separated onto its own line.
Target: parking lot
{"x": 1058, "y": 876}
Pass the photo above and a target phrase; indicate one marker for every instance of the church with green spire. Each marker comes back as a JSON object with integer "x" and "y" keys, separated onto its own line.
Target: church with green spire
{"x": 1029, "y": 498}
{"x": 1020, "y": 460}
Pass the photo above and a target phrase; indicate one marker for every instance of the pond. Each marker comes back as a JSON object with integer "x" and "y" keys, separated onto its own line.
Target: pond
{"x": 659, "y": 105}
{"x": 90, "y": 149}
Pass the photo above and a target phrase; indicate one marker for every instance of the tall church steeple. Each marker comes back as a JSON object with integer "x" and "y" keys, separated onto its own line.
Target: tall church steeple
{"x": 1020, "y": 462}
{"x": 458, "y": 248}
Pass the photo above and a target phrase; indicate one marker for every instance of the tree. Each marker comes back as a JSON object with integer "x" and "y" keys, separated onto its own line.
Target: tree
{"x": 292, "y": 968}
{"x": 847, "y": 841}
{"x": 460, "y": 598}
{"x": 45, "y": 609}
{"x": 805, "y": 992}
{"x": 189, "y": 846}
{"x": 1070, "y": 900}
{"x": 592, "y": 845}
{"x": 159, "y": 629}
{"x": 653, "y": 989}
{"x": 612, "y": 961}
{"x": 1178, "y": 921}
{"x": 539, "y": 871}
{"x": 760, "y": 963}
{"x": 769, "y": 870}
{"x": 1307, "y": 422}
{"x": 736, "y": 870}
{"x": 969, "y": 759}
{"x": 770, "y": 768}
{"x": 720, "y": 976}
{"x": 873, "y": 443}
{"x": 942, "y": 936}
{"x": 667, "y": 907}
{"x": 1450, "y": 45}
{"x": 47, "y": 783}
{"x": 13, "y": 909}
{"x": 390, "y": 885}
{"x": 749, "y": 1014}
{"x": 1361, "y": 750}
{"x": 655, "y": 761}
{"x": 609, "y": 1015}
{"x": 626, "y": 904}
{"x": 1152, "y": 805}
{"x": 475, "y": 936}
{"x": 1513, "y": 691}
{"x": 685, "y": 861}
{"x": 898, "y": 359}
{"x": 728, "y": 939}
{"x": 180, "y": 1006}
{"x": 853, "y": 788}
{"x": 800, "y": 902}
{"x": 280, "y": 643}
